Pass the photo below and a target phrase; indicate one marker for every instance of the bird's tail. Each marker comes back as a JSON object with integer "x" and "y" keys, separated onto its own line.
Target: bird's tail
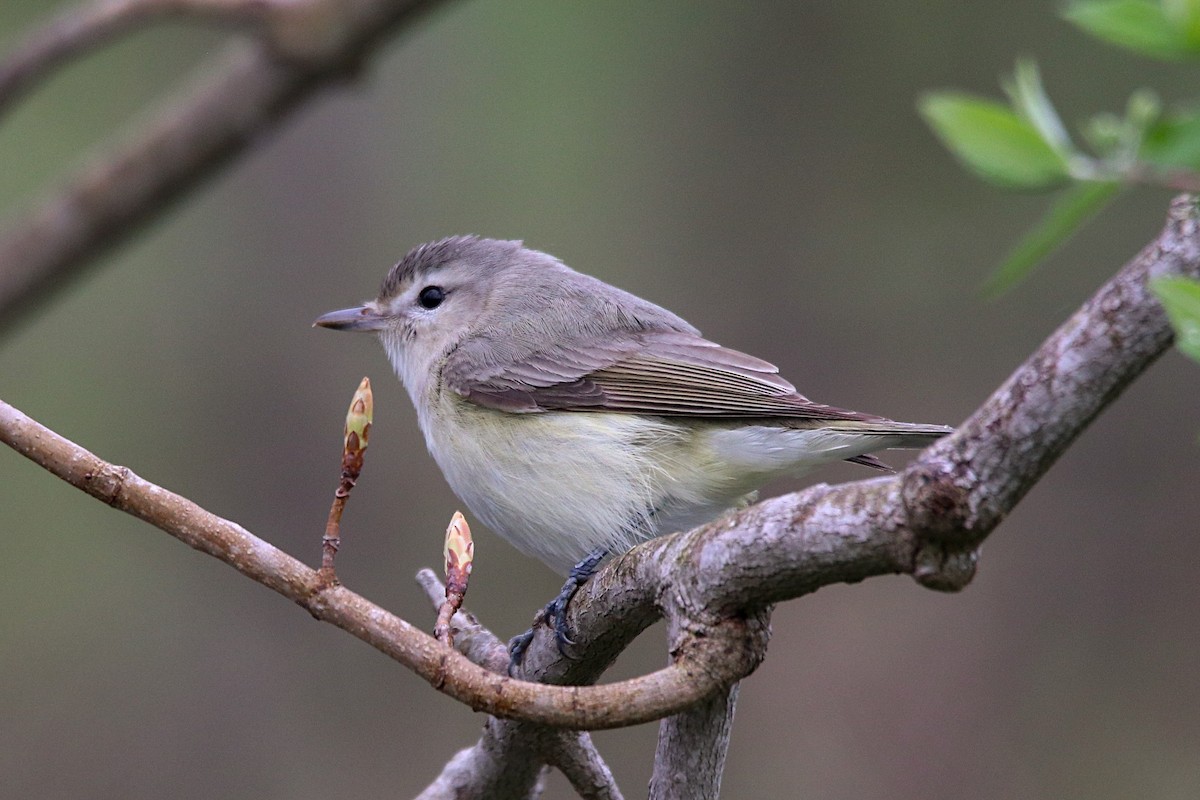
{"x": 896, "y": 435}
{"x": 900, "y": 435}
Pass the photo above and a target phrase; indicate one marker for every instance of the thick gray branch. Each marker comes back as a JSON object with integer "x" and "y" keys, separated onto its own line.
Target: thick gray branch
{"x": 690, "y": 758}
{"x": 505, "y": 764}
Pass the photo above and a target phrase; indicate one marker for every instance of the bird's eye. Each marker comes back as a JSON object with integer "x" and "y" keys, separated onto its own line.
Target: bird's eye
{"x": 431, "y": 296}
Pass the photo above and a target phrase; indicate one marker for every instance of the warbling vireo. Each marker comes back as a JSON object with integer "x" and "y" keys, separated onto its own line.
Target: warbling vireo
{"x": 576, "y": 419}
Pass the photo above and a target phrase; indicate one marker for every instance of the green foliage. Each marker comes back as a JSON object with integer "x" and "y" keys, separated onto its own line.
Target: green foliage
{"x": 1174, "y": 141}
{"x": 1181, "y": 299}
{"x": 993, "y": 141}
{"x": 1168, "y": 30}
{"x": 1025, "y": 145}
{"x": 1029, "y": 98}
{"x": 1072, "y": 208}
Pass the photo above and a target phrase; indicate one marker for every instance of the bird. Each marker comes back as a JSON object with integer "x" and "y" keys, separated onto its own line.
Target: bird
{"x": 576, "y": 419}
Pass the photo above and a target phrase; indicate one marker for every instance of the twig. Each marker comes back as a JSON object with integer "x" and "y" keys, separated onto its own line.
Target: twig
{"x": 243, "y": 96}
{"x": 355, "y": 437}
{"x": 470, "y": 637}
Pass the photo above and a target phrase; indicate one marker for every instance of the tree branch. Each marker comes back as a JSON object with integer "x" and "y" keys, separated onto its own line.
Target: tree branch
{"x": 690, "y": 758}
{"x": 573, "y": 753}
{"x": 486, "y": 769}
{"x": 499, "y": 767}
{"x": 630, "y": 702}
{"x": 926, "y": 522}
{"x": 78, "y": 30}
{"x": 255, "y": 85}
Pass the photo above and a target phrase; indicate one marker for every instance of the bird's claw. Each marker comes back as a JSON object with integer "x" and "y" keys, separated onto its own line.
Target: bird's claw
{"x": 555, "y": 613}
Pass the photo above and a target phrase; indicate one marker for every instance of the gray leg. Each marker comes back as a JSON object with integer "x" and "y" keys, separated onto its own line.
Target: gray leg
{"x": 555, "y": 611}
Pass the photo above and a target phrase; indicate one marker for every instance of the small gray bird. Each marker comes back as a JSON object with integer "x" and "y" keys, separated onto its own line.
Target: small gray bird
{"x": 577, "y": 420}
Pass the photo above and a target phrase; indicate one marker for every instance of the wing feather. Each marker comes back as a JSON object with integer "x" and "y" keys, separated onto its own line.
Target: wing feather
{"x": 670, "y": 373}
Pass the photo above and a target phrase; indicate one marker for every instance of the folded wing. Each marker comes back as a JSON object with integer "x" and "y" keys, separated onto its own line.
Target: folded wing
{"x": 669, "y": 373}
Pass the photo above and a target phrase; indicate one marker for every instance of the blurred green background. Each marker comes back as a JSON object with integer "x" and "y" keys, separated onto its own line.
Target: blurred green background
{"x": 758, "y": 168}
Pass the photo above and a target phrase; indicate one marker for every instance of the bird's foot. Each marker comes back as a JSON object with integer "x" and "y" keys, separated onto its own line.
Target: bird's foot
{"x": 555, "y": 612}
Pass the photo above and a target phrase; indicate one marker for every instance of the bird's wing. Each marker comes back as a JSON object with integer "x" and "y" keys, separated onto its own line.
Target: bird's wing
{"x": 663, "y": 372}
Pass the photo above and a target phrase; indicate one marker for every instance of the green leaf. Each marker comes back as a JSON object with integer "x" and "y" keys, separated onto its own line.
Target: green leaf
{"x": 1070, "y": 211}
{"x": 993, "y": 141}
{"x": 1029, "y": 97}
{"x": 1185, "y": 15}
{"x": 1137, "y": 25}
{"x": 1181, "y": 299}
{"x": 1173, "y": 141}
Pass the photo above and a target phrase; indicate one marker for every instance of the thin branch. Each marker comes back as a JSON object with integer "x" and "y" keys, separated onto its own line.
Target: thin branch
{"x": 355, "y": 437}
{"x": 630, "y": 702}
{"x": 576, "y": 757}
{"x": 484, "y": 770}
{"x": 470, "y": 637}
{"x": 243, "y": 95}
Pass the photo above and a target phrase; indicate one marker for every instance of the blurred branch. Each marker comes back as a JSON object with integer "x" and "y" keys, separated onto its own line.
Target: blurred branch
{"x": 307, "y": 45}
{"x": 73, "y": 33}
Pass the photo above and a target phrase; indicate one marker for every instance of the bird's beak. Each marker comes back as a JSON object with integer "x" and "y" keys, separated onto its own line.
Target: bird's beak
{"x": 359, "y": 318}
